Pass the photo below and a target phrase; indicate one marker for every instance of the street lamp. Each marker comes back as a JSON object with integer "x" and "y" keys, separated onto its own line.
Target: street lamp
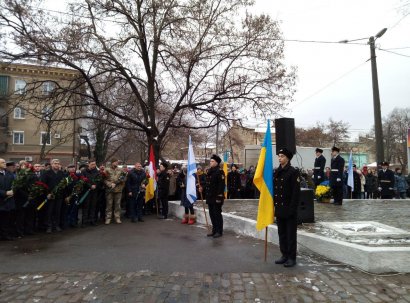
{"x": 376, "y": 96}
{"x": 376, "y": 99}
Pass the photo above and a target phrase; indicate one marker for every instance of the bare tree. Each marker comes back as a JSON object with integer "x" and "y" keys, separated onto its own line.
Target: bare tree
{"x": 337, "y": 131}
{"x": 315, "y": 136}
{"x": 207, "y": 59}
{"x": 395, "y": 128}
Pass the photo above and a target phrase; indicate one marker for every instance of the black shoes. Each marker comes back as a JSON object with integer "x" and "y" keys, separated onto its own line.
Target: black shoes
{"x": 214, "y": 235}
{"x": 290, "y": 263}
{"x": 140, "y": 220}
{"x": 281, "y": 260}
{"x": 285, "y": 261}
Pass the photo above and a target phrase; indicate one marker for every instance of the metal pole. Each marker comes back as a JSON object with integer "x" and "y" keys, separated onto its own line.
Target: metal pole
{"x": 376, "y": 105}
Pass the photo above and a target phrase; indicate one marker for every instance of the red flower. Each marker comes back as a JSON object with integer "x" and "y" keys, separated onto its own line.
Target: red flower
{"x": 73, "y": 176}
{"x": 39, "y": 183}
{"x": 85, "y": 179}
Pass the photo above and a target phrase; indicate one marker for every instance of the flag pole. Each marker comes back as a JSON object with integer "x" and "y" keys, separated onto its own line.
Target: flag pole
{"x": 203, "y": 204}
{"x": 266, "y": 242}
{"x": 156, "y": 201}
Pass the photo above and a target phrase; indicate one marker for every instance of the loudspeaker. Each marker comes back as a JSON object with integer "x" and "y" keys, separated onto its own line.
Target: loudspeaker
{"x": 306, "y": 208}
{"x": 285, "y": 134}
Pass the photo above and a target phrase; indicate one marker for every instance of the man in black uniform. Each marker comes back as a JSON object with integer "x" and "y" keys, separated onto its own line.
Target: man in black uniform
{"x": 286, "y": 182}
{"x": 234, "y": 183}
{"x": 135, "y": 186}
{"x": 163, "y": 188}
{"x": 386, "y": 181}
{"x": 215, "y": 187}
{"x": 337, "y": 165}
{"x": 319, "y": 167}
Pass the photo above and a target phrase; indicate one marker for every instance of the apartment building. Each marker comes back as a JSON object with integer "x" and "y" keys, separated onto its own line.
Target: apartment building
{"x": 37, "y": 122}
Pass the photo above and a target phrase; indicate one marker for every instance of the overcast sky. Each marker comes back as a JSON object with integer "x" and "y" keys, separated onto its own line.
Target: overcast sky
{"x": 334, "y": 80}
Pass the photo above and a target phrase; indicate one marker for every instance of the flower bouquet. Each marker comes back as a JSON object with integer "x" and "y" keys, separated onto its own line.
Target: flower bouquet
{"x": 323, "y": 193}
{"x": 79, "y": 187}
{"x": 37, "y": 193}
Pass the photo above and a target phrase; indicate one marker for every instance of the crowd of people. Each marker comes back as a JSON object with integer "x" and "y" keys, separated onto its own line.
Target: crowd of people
{"x": 368, "y": 183}
{"x": 50, "y": 198}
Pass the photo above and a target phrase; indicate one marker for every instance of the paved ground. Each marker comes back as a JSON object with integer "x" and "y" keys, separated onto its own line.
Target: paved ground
{"x": 164, "y": 261}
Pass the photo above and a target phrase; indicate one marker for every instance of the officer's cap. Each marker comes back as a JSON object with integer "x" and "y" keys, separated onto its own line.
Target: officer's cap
{"x": 385, "y": 163}
{"x": 286, "y": 152}
{"x": 319, "y": 150}
{"x": 336, "y": 149}
{"x": 216, "y": 158}
{"x": 11, "y": 163}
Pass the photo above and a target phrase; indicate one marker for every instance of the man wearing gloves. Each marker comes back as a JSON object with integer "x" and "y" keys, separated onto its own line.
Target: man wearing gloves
{"x": 386, "y": 181}
{"x": 319, "y": 167}
{"x": 337, "y": 165}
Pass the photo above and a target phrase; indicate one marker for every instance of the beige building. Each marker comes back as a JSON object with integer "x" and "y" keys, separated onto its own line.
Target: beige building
{"x": 237, "y": 137}
{"x": 37, "y": 119}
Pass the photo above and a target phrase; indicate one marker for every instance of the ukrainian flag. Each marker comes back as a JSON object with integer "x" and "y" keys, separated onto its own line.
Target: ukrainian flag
{"x": 225, "y": 169}
{"x": 263, "y": 181}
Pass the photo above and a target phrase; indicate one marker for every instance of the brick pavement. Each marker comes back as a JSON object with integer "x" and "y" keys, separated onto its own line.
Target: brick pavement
{"x": 312, "y": 280}
{"x": 334, "y": 285}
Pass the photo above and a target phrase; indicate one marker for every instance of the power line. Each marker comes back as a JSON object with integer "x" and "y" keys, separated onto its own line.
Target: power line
{"x": 330, "y": 83}
{"x": 398, "y": 54}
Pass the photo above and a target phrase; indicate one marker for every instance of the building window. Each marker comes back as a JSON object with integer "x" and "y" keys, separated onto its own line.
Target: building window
{"x": 4, "y": 86}
{"x": 47, "y": 113}
{"x": 45, "y": 138}
{"x": 20, "y": 87}
{"x": 18, "y": 137}
{"x": 48, "y": 87}
{"x": 19, "y": 113}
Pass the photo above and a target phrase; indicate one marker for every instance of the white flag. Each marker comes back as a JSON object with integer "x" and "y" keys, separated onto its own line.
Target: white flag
{"x": 191, "y": 170}
{"x": 350, "y": 181}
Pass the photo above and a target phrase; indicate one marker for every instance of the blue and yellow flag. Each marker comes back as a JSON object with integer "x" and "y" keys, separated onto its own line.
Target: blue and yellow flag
{"x": 225, "y": 169}
{"x": 263, "y": 181}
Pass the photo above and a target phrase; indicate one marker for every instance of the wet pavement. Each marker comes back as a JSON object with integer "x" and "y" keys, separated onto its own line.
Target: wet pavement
{"x": 164, "y": 261}
{"x": 390, "y": 212}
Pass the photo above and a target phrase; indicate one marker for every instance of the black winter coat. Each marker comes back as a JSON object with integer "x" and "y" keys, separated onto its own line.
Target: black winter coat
{"x": 234, "y": 181}
{"x": 6, "y": 182}
{"x": 386, "y": 181}
{"x": 52, "y": 178}
{"x": 319, "y": 170}
{"x": 337, "y": 166}
{"x": 286, "y": 183}
{"x": 215, "y": 185}
{"x": 135, "y": 179}
{"x": 163, "y": 184}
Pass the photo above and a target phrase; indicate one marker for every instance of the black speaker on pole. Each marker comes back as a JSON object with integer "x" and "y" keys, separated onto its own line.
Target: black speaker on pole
{"x": 306, "y": 208}
{"x": 285, "y": 134}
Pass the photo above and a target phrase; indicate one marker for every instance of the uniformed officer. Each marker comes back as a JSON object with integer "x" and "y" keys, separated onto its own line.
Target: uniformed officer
{"x": 234, "y": 183}
{"x": 319, "y": 167}
{"x": 386, "y": 181}
{"x": 163, "y": 189}
{"x": 215, "y": 187}
{"x": 337, "y": 165}
{"x": 286, "y": 199}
